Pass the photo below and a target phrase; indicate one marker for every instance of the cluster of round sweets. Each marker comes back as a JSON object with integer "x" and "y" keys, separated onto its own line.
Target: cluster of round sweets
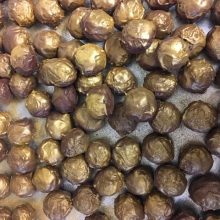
{"x": 86, "y": 93}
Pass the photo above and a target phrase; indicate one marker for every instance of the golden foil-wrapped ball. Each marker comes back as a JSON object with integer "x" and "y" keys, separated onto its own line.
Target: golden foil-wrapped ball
{"x": 160, "y": 5}
{"x": 106, "y": 5}
{"x": 90, "y": 59}
{"x": 70, "y": 5}
{"x": 74, "y": 22}
{"x": 38, "y": 103}
{"x": 173, "y": 53}
{"x": 95, "y": 149}
{"x": 194, "y": 35}
{"x": 22, "y": 159}
{"x": 58, "y": 72}
{"x": 48, "y": 12}
{"x": 5, "y": 66}
{"x": 22, "y": 86}
{"x": 97, "y": 25}
{"x": 58, "y": 125}
{"x": 46, "y": 179}
{"x": 148, "y": 59}
{"x": 5, "y": 120}
{"x": 5, "y": 213}
{"x": 109, "y": 181}
{"x": 24, "y": 212}
{"x": 126, "y": 154}
{"x": 3, "y": 150}
{"x": 21, "y": 11}
{"x": 86, "y": 200}
{"x": 83, "y": 119}
{"x": 163, "y": 21}
{"x": 21, "y": 185}
{"x": 128, "y": 10}
{"x": 49, "y": 152}
{"x": 120, "y": 80}
{"x": 57, "y": 205}
{"x": 4, "y": 186}
{"x": 137, "y": 35}
{"x": 100, "y": 102}
{"x": 193, "y": 10}
{"x": 115, "y": 53}
{"x": 46, "y": 43}
{"x": 21, "y": 131}
{"x": 75, "y": 169}
{"x": 85, "y": 83}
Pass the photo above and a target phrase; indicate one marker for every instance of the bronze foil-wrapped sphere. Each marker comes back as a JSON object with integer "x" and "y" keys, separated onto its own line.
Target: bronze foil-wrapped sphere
{"x": 137, "y": 35}
{"x": 173, "y": 53}
{"x": 197, "y": 76}
{"x": 46, "y": 43}
{"x": 121, "y": 122}
{"x": 74, "y": 22}
{"x": 141, "y": 104}
{"x": 158, "y": 206}
{"x": 97, "y": 216}
{"x": 163, "y": 21}
{"x": 46, "y": 179}
{"x": 3, "y": 150}
{"x": 194, "y": 35}
{"x": 21, "y": 131}
{"x": 97, "y": 25}
{"x": 204, "y": 191}
{"x": 65, "y": 99}
{"x": 109, "y": 181}
{"x": 100, "y": 102}
{"x": 120, "y": 80}
{"x": 49, "y": 152}
{"x": 195, "y": 160}
{"x": 22, "y": 86}
{"x": 21, "y": 185}
{"x": 215, "y": 12}
{"x": 84, "y": 120}
{"x": 70, "y": 5}
{"x": 162, "y": 84}
{"x": 170, "y": 180}
{"x": 57, "y": 205}
{"x": 148, "y": 59}
{"x": 75, "y": 169}
{"x": 24, "y": 212}
{"x": 58, "y": 125}
{"x": 4, "y": 186}
{"x": 5, "y": 93}
{"x": 213, "y": 141}
{"x": 127, "y": 206}
{"x": 200, "y": 116}
{"x": 167, "y": 118}
{"x": 126, "y": 154}
{"x": 160, "y": 5}
{"x": 158, "y": 148}
{"x": 115, "y": 53}
{"x": 5, "y": 120}
{"x": 193, "y": 10}
{"x": 5, "y": 66}
{"x": 48, "y": 15}
{"x": 5, "y": 213}
{"x": 22, "y": 12}
{"x": 68, "y": 49}
{"x": 128, "y": 10}
{"x": 86, "y": 200}
{"x": 212, "y": 43}
{"x": 139, "y": 181}
{"x": 13, "y": 36}
{"x": 106, "y": 5}
{"x": 22, "y": 159}
{"x": 58, "y": 72}
{"x": 90, "y": 59}
{"x": 38, "y": 103}
{"x": 85, "y": 83}
{"x": 24, "y": 60}
{"x": 95, "y": 149}
{"x": 75, "y": 142}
